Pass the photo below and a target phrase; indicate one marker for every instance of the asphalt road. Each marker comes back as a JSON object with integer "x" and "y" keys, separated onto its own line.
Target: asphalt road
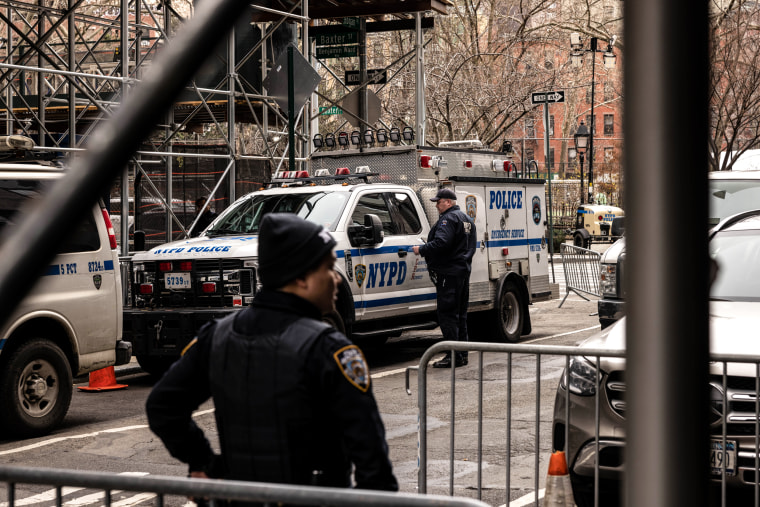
{"x": 107, "y": 431}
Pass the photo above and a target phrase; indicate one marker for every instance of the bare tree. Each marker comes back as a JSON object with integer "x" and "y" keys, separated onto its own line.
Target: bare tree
{"x": 735, "y": 81}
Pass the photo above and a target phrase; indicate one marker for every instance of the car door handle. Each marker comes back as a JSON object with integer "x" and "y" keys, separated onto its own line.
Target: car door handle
{"x": 401, "y": 252}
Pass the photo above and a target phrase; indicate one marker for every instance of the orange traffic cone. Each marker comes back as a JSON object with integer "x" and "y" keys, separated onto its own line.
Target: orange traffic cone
{"x": 558, "y": 488}
{"x": 103, "y": 380}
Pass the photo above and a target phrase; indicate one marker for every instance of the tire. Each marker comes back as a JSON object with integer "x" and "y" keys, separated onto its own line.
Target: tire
{"x": 583, "y": 492}
{"x": 155, "y": 366}
{"x": 509, "y": 313}
{"x": 580, "y": 242}
{"x": 335, "y": 320}
{"x": 36, "y": 386}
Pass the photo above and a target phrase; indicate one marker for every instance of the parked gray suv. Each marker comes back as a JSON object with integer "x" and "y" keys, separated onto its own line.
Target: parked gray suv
{"x": 734, "y": 321}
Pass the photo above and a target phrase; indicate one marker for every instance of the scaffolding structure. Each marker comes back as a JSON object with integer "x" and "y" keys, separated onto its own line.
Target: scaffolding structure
{"x": 62, "y": 75}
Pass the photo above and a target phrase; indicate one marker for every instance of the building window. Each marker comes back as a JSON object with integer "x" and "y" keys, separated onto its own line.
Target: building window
{"x": 609, "y": 124}
{"x": 588, "y": 95}
{"x": 609, "y": 154}
{"x": 609, "y": 91}
{"x": 530, "y": 129}
{"x": 591, "y": 126}
{"x": 550, "y": 163}
{"x": 551, "y": 125}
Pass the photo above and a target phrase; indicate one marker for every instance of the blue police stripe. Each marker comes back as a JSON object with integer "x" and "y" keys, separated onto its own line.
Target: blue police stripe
{"x": 513, "y": 242}
{"x": 55, "y": 270}
{"x": 373, "y": 251}
{"x": 52, "y": 271}
{"x": 2, "y": 344}
{"x": 394, "y": 301}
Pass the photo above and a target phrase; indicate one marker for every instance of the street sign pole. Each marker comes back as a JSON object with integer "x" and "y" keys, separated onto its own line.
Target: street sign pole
{"x": 291, "y": 113}
{"x": 549, "y": 179}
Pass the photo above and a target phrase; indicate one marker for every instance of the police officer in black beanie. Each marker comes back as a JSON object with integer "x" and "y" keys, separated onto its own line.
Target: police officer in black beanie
{"x": 448, "y": 252}
{"x": 293, "y": 396}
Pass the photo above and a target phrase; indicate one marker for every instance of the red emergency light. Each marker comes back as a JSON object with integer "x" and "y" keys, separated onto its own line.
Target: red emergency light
{"x": 302, "y": 174}
{"x": 342, "y": 170}
{"x": 505, "y": 251}
{"x": 186, "y": 266}
{"x": 425, "y": 161}
{"x": 208, "y": 287}
{"x": 508, "y": 166}
{"x": 468, "y": 164}
{"x": 164, "y": 266}
{"x": 146, "y": 288}
{"x": 109, "y": 228}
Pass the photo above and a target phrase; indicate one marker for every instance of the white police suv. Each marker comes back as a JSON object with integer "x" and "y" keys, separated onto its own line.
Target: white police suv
{"x": 70, "y": 324}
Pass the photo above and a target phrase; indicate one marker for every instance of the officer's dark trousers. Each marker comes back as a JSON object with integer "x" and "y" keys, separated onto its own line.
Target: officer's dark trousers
{"x": 453, "y": 293}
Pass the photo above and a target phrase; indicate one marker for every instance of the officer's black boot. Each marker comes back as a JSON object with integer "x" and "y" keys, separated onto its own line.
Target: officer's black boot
{"x": 461, "y": 359}
{"x": 443, "y": 363}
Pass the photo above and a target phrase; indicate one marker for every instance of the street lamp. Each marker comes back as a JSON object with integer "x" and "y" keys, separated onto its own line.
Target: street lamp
{"x": 580, "y": 139}
{"x": 576, "y": 44}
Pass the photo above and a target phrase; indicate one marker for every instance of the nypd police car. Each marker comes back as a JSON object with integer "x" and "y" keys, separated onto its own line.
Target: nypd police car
{"x": 385, "y": 289}
{"x": 70, "y": 324}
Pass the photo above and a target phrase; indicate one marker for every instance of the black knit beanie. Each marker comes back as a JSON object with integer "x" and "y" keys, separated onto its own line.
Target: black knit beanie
{"x": 289, "y": 246}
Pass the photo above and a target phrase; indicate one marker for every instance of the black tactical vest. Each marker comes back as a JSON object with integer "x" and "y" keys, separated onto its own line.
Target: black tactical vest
{"x": 267, "y": 407}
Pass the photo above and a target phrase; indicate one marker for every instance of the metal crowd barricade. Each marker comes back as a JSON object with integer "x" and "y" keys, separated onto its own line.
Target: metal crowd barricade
{"x": 216, "y": 490}
{"x": 125, "y": 269}
{"x": 723, "y": 371}
{"x": 582, "y": 271}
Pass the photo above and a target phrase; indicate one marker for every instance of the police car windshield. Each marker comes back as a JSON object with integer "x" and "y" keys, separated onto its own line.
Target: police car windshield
{"x": 244, "y": 217}
{"x": 738, "y": 256}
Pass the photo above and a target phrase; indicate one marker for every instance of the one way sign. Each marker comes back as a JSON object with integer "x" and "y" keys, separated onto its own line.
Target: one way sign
{"x": 540, "y": 98}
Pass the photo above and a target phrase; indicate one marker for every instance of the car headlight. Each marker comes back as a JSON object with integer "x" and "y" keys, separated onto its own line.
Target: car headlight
{"x": 608, "y": 279}
{"x": 581, "y": 376}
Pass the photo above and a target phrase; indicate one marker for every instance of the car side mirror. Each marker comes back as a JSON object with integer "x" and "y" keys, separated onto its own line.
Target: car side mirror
{"x": 371, "y": 233}
{"x": 139, "y": 241}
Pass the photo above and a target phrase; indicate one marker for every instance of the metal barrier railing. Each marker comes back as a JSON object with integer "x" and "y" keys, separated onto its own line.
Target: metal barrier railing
{"x": 125, "y": 269}
{"x": 728, "y": 375}
{"x": 215, "y": 490}
{"x": 582, "y": 271}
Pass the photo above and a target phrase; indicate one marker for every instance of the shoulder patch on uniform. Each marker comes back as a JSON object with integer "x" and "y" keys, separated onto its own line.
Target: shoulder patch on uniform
{"x": 444, "y": 222}
{"x": 353, "y": 366}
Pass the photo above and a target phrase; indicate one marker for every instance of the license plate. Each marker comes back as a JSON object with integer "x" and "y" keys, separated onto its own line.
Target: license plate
{"x": 177, "y": 280}
{"x": 719, "y": 456}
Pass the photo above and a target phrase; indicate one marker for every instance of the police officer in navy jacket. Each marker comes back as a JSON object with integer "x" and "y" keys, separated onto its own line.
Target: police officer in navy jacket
{"x": 293, "y": 396}
{"x": 448, "y": 252}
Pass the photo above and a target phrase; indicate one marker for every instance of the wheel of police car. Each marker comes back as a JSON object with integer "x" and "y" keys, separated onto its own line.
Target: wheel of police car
{"x": 509, "y": 313}
{"x": 35, "y": 388}
{"x": 155, "y": 366}
{"x": 580, "y": 242}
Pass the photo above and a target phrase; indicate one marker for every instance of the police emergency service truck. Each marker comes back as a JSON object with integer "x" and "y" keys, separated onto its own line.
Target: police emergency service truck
{"x": 376, "y": 203}
{"x": 70, "y": 324}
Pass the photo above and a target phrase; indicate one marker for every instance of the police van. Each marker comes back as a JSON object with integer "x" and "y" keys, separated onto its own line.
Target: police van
{"x": 377, "y": 206}
{"x": 70, "y": 324}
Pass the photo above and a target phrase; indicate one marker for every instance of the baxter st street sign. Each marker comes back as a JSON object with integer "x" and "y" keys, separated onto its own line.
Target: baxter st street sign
{"x": 540, "y": 98}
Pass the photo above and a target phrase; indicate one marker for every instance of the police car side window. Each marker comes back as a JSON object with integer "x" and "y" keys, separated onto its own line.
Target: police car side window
{"x": 374, "y": 204}
{"x": 409, "y": 220}
{"x": 83, "y": 238}
{"x": 13, "y": 194}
